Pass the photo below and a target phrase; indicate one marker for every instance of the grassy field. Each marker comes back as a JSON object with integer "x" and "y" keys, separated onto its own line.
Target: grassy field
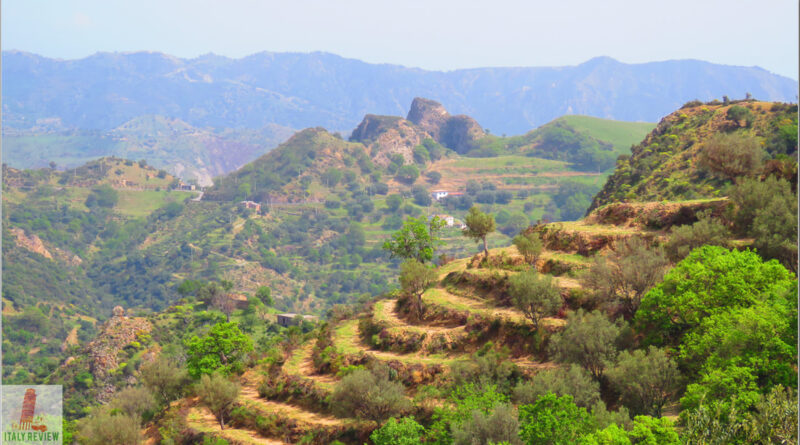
{"x": 506, "y": 164}
{"x": 621, "y": 134}
{"x": 142, "y": 203}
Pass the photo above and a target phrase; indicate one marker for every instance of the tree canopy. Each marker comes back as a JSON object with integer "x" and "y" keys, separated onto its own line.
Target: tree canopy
{"x": 417, "y": 239}
{"x": 479, "y": 226}
{"x": 223, "y": 349}
{"x": 709, "y": 281}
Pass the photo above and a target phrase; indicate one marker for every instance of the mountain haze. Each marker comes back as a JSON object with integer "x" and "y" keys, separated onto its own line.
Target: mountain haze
{"x": 320, "y": 89}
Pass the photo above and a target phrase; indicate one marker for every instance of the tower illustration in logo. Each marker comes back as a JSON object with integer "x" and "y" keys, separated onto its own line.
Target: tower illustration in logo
{"x": 28, "y": 407}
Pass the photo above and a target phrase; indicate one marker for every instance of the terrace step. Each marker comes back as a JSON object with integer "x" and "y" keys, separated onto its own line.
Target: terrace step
{"x": 201, "y": 419}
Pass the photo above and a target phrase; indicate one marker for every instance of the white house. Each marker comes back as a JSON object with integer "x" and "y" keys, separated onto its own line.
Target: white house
{"x": 448, "y": 220}
{"x": 439, "y": 194}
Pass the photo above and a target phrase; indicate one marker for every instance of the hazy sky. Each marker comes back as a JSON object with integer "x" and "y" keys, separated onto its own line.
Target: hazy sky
{"x": 431, "y": 34}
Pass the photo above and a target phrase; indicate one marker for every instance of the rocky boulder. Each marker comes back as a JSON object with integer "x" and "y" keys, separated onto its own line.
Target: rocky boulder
{"x": 373, "y": 126}
{"x": 430, "y": 116}
{"x": 460, "y": 133}
{"x": 388, "y": 135}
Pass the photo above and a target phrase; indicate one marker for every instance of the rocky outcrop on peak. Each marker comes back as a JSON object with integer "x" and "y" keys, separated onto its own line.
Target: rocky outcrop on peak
{"x": 388, "y": 135}
{"x": 455, "y": 132}
{"x": 460, "y": 132}
{"x": 373, "y": 126}
{"x": 428, "y": 115}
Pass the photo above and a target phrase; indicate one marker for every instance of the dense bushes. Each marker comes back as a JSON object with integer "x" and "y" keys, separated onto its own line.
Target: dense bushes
{"x": 732, "y": 156}
{"x": 369, "y": 394}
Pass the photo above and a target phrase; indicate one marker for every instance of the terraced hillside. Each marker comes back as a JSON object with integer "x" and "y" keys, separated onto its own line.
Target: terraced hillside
{"x": 467, "y": 313}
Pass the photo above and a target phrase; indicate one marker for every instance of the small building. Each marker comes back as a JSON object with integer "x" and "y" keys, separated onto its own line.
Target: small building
{"x": 290, "y": 319}
{"x": 449, "y": 221}
{"x": 125, "y": 183}
{"x": 239, "y": 301}
{"x": 439, "y": 194}
{"x": 186, "y": 187}
{"x": 251, "y": 205}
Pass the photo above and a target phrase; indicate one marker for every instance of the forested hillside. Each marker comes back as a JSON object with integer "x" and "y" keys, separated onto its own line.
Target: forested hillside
{"x": 667, "y": 315}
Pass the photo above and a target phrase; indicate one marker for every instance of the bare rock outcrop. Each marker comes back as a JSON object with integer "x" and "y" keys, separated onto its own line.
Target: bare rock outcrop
{"x": 460, "y": 133}
{"x": 32, "y": 242}
{"x": 428, "y": 115}
{"x": 388, "y": 135}
{"x": 456, "y": 132}
{"x": 115, "y": 334}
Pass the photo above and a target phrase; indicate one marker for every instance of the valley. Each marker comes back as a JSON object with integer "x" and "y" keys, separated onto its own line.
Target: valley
{"x": 455, "y": 340}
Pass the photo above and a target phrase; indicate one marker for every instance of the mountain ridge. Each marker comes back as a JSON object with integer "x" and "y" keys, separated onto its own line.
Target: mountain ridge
{"x": 302, "y": 90}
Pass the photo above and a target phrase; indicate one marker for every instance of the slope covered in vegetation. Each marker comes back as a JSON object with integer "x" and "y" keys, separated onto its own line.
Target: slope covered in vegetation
{"x": 698, "y": 150}
{"x": 475, "y": 352}
{"x": 659, "y": 321}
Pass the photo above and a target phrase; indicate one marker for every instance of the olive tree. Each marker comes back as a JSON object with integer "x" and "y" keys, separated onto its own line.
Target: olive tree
{"x": 570, "y": 380}
{"x": 369, "y": 395}
{"x": 535, "y": 295}
{"x": 501, "y": 426}
{"x": 164, "y": 377}
{"x": 479, "y": 226}
{"x": 415, "y": 278}
{"x": 217, "y": 393}
{"x": 706, "y": 231}
{"x": 627, "y": 274}
{"x": 136, "y": 401}
{"x": 645, "y": 380}
{"x": 588, "y": 340}
{"x": 732, "y": 156}
{"x": 104, "y": 427}
{"x": 530, "y": 246}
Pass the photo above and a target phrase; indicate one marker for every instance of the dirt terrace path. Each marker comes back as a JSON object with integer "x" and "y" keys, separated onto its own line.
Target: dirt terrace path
{"x": 348, "y": 341}
{"x": 385, "y": 310}
{"x": 250, "y": 395}
{"x": 567, "y": 283}
{"x": 300, "y": 363}
{"x": 442, "y": 297}
{"x": 201, "y": 419}
{"x": 527, "y": 364}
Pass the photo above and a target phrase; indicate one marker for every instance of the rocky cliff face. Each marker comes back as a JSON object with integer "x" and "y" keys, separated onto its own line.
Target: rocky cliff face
{"x": 455, "y": 132}
{"x": 115, "y": 334}
{"x": 460, "y": 132}
{"x": 428, "y": 115}
{"x": 388, "y": 135}
{"x": 32, "y": 242}
{"x": 373, "y": 126}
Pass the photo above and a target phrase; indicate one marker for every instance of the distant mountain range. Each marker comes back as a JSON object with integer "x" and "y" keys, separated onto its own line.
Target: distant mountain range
{"x": 103, "y": 91}
{"x": 168, "y": 143}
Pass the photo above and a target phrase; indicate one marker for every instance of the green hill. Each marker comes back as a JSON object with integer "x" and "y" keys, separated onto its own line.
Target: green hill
{"x": 589, "y": 144}
{"x": 621, "y": 134}
{"x": 666, "y": 165}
